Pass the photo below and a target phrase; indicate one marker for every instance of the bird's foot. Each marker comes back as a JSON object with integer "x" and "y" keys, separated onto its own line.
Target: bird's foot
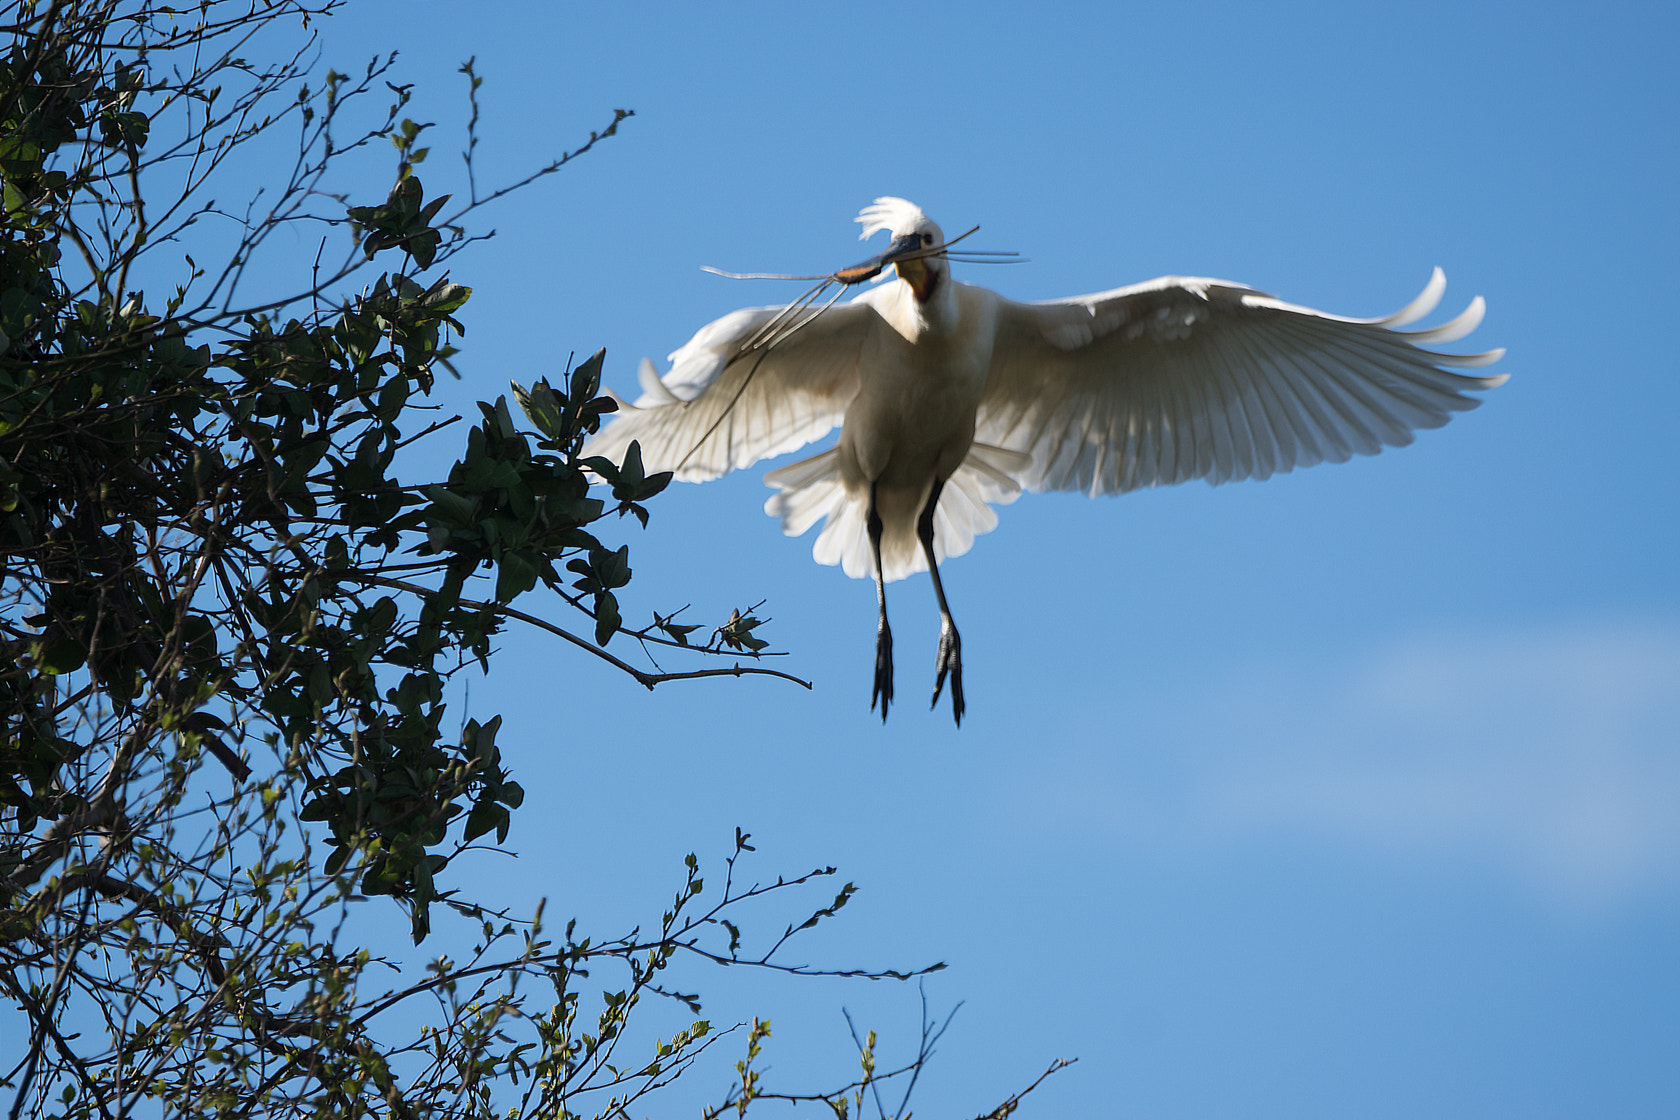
{"x": 950, "y": 661}
{"x": 883, "y": 670}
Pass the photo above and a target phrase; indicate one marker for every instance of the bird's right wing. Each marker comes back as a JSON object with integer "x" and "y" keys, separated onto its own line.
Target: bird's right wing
{"x": 727, "y": 404}
{"x": 1183, "y": 377}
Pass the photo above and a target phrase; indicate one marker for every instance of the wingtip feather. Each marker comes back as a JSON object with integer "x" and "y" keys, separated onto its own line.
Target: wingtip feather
{"x": 1451, "y": 331}
{"x": 654, "y": 391}
{"x": 1426, "y": 301}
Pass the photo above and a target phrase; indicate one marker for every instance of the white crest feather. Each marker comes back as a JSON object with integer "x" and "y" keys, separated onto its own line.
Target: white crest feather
{"x": 895, "y": 215}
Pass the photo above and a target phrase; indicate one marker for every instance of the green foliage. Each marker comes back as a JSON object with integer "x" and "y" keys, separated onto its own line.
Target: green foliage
{"x": 215, "y": 548}
{"x": 219, "y": 526}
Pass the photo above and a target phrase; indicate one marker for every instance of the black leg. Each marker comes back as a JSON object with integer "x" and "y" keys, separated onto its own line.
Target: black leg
{"x": 950, "y": 642}
{"x": 883, "y": 633}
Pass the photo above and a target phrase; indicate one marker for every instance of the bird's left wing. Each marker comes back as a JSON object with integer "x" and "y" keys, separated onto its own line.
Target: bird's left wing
{"x": 1184, "y": 377}
{"x": 726, "y": 403}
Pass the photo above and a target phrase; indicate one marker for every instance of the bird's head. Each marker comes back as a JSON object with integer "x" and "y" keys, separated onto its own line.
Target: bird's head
{"x": 913, "y": 235}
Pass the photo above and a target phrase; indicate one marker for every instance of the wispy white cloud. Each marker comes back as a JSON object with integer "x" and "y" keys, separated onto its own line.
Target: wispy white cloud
{"x": 1552, "y": 754}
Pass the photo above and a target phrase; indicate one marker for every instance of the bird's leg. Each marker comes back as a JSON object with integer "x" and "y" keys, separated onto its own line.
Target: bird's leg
{"x": 883, "y": 633}
{"x": 950, "y": 642}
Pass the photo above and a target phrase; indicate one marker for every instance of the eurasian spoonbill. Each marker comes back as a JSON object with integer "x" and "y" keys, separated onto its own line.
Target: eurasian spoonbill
{"x": 951, "y": 399}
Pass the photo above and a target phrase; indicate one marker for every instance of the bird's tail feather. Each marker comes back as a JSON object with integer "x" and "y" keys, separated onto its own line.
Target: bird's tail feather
{"x": 812, "y": 490}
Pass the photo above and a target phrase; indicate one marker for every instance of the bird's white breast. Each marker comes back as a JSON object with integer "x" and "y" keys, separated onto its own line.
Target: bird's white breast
{"x": 921, "y": 374}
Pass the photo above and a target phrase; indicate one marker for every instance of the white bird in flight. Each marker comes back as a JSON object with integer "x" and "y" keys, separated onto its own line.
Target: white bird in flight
{"x": 951, "y": 399}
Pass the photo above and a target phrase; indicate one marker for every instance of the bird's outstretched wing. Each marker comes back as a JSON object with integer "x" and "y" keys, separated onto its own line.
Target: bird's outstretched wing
{"x": 724, "y": 405}
{"x": 1186, "y": 377}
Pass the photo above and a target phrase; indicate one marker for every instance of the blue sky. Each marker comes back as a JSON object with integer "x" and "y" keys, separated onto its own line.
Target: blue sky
{"x": 1350, "y": 793}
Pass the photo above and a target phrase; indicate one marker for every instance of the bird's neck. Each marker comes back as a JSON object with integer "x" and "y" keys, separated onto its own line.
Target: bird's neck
{"x": 918, "y": 319}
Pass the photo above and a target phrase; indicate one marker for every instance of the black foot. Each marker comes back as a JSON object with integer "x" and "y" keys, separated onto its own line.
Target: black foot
{"x": 883, "y": 670}
{"x": 950, "y": 661}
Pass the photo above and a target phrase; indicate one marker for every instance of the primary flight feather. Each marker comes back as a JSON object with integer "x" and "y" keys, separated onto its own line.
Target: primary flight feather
{"x": 951, "y": 399}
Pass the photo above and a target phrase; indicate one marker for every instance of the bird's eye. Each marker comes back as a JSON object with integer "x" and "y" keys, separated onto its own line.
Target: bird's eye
{"x": 927, "y": 239}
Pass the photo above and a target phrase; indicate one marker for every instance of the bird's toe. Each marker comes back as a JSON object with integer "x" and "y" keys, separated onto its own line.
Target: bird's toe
{"x": 950, "y": 664}
{"x": 883, "y": 691}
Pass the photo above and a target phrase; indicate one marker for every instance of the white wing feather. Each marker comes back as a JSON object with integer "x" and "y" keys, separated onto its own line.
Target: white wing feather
{"x": 754, "y": 403}
{"x": 1186, "y": 377}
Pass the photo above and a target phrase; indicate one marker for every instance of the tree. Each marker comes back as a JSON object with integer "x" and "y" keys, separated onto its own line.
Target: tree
{"x": 230, "y": 616}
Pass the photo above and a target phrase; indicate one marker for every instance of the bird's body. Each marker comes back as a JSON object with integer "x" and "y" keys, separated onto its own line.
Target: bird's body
{"x": 951, "y": 399}
{"x": 912, "y": 420}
